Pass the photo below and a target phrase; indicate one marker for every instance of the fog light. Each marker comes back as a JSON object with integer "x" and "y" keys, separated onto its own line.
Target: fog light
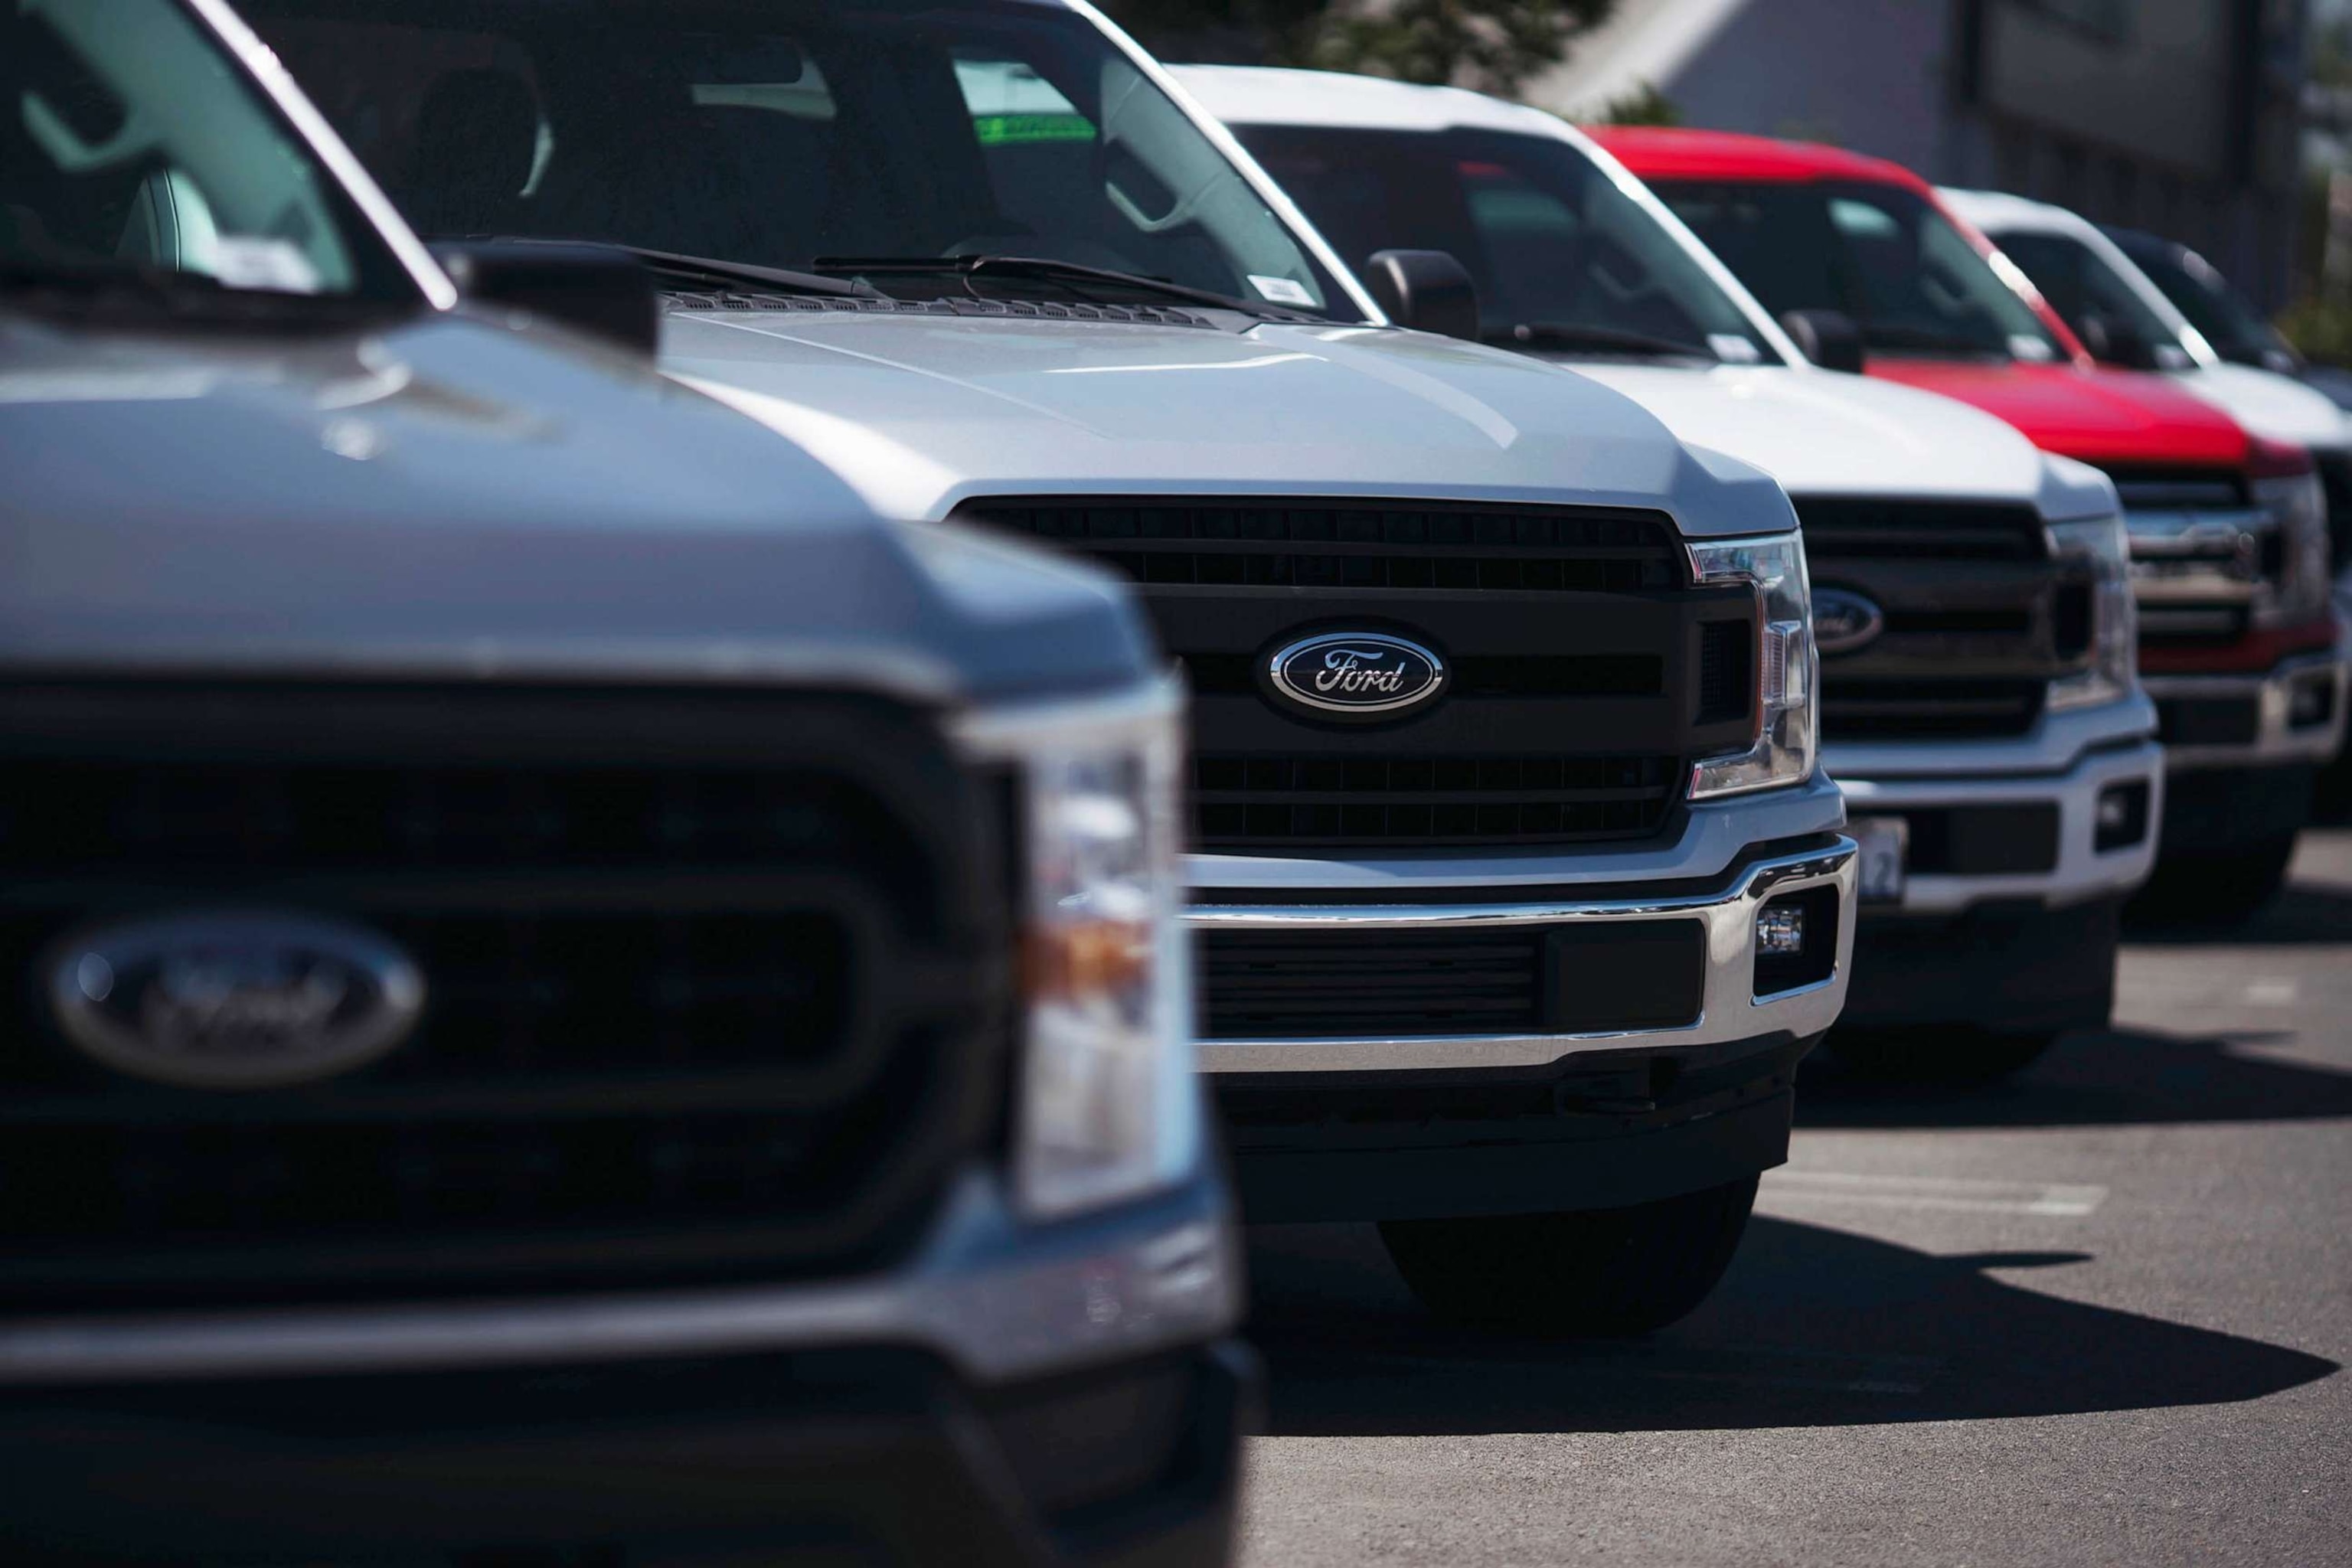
{"x": 1780, "y": 931}
{"x": 1796, "y": 940}
{"x": 2121, "y": 819}
{"x": 2311, "y": 703}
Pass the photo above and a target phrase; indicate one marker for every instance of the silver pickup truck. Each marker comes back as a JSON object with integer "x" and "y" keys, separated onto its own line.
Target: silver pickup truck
{"x": 1518, "y": 889}
{"x": 572, "y": 994}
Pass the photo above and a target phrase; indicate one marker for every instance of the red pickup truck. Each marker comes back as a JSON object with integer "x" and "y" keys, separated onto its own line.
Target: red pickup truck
{"x": 2238, "y": 643}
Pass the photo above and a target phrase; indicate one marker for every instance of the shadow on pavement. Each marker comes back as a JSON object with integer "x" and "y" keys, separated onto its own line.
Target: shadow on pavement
{"x": 2115, "y": 1078}
{"x": 2304, "y": 914}
{"x": 1812, "y": 1328}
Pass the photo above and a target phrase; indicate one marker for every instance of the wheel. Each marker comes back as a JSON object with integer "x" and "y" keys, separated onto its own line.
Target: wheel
{"x": 2215, "y": 889}
{"x": 1936, "y": 1055}
{"x": 1590, "y": 1273}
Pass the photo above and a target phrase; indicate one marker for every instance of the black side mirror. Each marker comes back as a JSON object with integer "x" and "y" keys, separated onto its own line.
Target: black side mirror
{"x": 595, "y": 288}
{"x": 1427, "y": 291}
{"x": 2116, "y": 342}
{"x": 1830, "y": 338}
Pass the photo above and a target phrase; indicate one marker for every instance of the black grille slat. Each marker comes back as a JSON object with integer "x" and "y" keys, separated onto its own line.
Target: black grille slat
{"x": 1576, "y": 623}
{"x": 1269, "y": 800}
{"x": 1357, "y": 545}
{"x": 732, "y": 1006}
{"x": 1978, "y": 617}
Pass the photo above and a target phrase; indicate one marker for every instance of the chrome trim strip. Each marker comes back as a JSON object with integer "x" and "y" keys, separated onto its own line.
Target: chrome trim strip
{"x": 1000, "y": 1302}
{"x": 1729, "y": 1010}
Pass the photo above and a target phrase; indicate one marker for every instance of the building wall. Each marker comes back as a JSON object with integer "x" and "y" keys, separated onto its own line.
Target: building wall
{"x": 2172, "y": 115}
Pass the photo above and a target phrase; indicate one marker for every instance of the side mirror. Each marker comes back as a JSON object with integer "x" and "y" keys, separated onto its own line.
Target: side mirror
{"x": 1830, "y": 338}
{"x": 595, "y": 288}
{"x": 1427, "y": 291}
{"x": 2115, "y": 341}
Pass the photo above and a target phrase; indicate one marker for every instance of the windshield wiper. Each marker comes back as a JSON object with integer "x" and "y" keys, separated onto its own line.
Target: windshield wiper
{"x": 709, "y": 269}
{"x": 1075, "y": 277}
{"x": 1598, "y": 339}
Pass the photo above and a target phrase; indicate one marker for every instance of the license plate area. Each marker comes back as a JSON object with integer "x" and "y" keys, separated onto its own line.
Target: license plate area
{"x": 1883, "y": 866}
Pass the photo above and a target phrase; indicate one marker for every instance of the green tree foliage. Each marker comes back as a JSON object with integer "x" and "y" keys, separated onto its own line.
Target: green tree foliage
{"x": 1643, "y": 105}
{"x": 1494, "y": 46}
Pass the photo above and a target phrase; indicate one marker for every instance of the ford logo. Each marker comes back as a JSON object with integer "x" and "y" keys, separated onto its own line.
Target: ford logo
{"x": 1845, "y": 622}
{"x": 234, "y": 1000}
{"x": 1357, "y": 673}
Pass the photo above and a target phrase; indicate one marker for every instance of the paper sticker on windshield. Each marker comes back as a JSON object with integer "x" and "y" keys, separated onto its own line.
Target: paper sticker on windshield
{"x": 255, "y": 261}
{"x": 1282, "y": 290}
{"x": 2027, "y": 347}
{"x": 1733, "y": 349}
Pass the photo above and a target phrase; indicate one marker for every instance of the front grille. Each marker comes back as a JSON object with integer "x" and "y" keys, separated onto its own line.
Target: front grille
{"x": 1593, "y": 978}
{"x": 1978, "y": 617}
{"x": 2202, "y": 554}
{"x": 1575, "y": 629}
{"x": 1860, "y": 708}
{"x": 712, "y": 987}
{"x": 1429, "y": 800}
{"x": 1358, "y": 545}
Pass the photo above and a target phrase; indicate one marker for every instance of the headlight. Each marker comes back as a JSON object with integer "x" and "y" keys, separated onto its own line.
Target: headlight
{"x": 1107, "y": 1106}
{"x": 2102, "y": 543}
{"x": 1788, "y": 736}
{"x": 2297, "y": 505}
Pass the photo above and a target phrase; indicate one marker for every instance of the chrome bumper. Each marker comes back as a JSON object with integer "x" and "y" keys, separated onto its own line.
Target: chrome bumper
{"x": 1731, "y": 1011}
{"x": 2084, "y": 871}
{"x": 2276, "y": 742}
{"x": 999, "y": 1300}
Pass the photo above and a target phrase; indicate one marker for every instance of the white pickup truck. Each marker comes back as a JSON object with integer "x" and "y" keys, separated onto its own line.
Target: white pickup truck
{"x": 1977, "y": 704}
{"x": 1518, "y": 889}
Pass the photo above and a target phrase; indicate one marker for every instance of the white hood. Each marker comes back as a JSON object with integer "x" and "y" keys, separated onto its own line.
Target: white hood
{"x": 920, "y": 413}
{"x": 1823, "y": 434}
{"x": 2273, "y": 406}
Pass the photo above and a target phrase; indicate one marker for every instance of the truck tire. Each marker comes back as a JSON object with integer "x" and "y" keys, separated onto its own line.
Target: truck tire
{"x": 1592, "y": 1273}
{"x": 1936, "y": 1055}
{"x": 2216, "y": 889}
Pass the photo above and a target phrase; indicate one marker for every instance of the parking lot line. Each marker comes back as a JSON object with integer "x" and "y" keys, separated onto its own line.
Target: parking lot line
{"x": 2049, "y": 1199}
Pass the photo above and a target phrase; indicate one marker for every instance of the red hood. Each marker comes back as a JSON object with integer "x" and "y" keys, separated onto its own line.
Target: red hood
{"x": 2074, "y": 409}
{"x": 2097, "y": 416}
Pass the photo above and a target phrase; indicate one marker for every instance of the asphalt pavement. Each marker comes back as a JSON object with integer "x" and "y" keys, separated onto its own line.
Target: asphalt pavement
{"x": 2099, "y": 1314}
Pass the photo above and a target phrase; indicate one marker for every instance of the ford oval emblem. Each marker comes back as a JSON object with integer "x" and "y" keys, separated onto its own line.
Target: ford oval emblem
{"x": 234, "y": 1000}
{"x": 1845, "y": 622}
{"x": 1357, "y": 673}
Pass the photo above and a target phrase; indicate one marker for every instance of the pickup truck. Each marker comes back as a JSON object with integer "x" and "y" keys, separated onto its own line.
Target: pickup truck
{"x": 1979, "y": 701}
{"x": 573, "y": 994}
{"x": 1519, "y": 891}
{"x": 2238, "y": 645}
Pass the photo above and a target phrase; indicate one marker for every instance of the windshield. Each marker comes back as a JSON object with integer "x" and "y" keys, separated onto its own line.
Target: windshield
{"x": 2231, "y": 325}
{"x": 1552, "y": 241}
{"x": 1881, "y": 254}
{"x": 2088, "y": 294}
{"x": 130, "y": 147}
{"x": 792, "y": 134}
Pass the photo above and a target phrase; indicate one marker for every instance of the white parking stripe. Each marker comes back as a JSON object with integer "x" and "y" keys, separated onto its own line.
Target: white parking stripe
{"x": 2051, "y": 1200}
{"x": 2273, "y": 991}
{"x": 1764, "y": 1366}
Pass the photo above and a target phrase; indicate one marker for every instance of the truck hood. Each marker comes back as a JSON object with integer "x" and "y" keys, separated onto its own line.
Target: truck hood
{"x": 920, "y": 413}
{"x": 2266, "y": 404}
{"x": 1826, "y": 435}
{"x": 453, "y": 498}
{"x": 2095, "y": 415}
